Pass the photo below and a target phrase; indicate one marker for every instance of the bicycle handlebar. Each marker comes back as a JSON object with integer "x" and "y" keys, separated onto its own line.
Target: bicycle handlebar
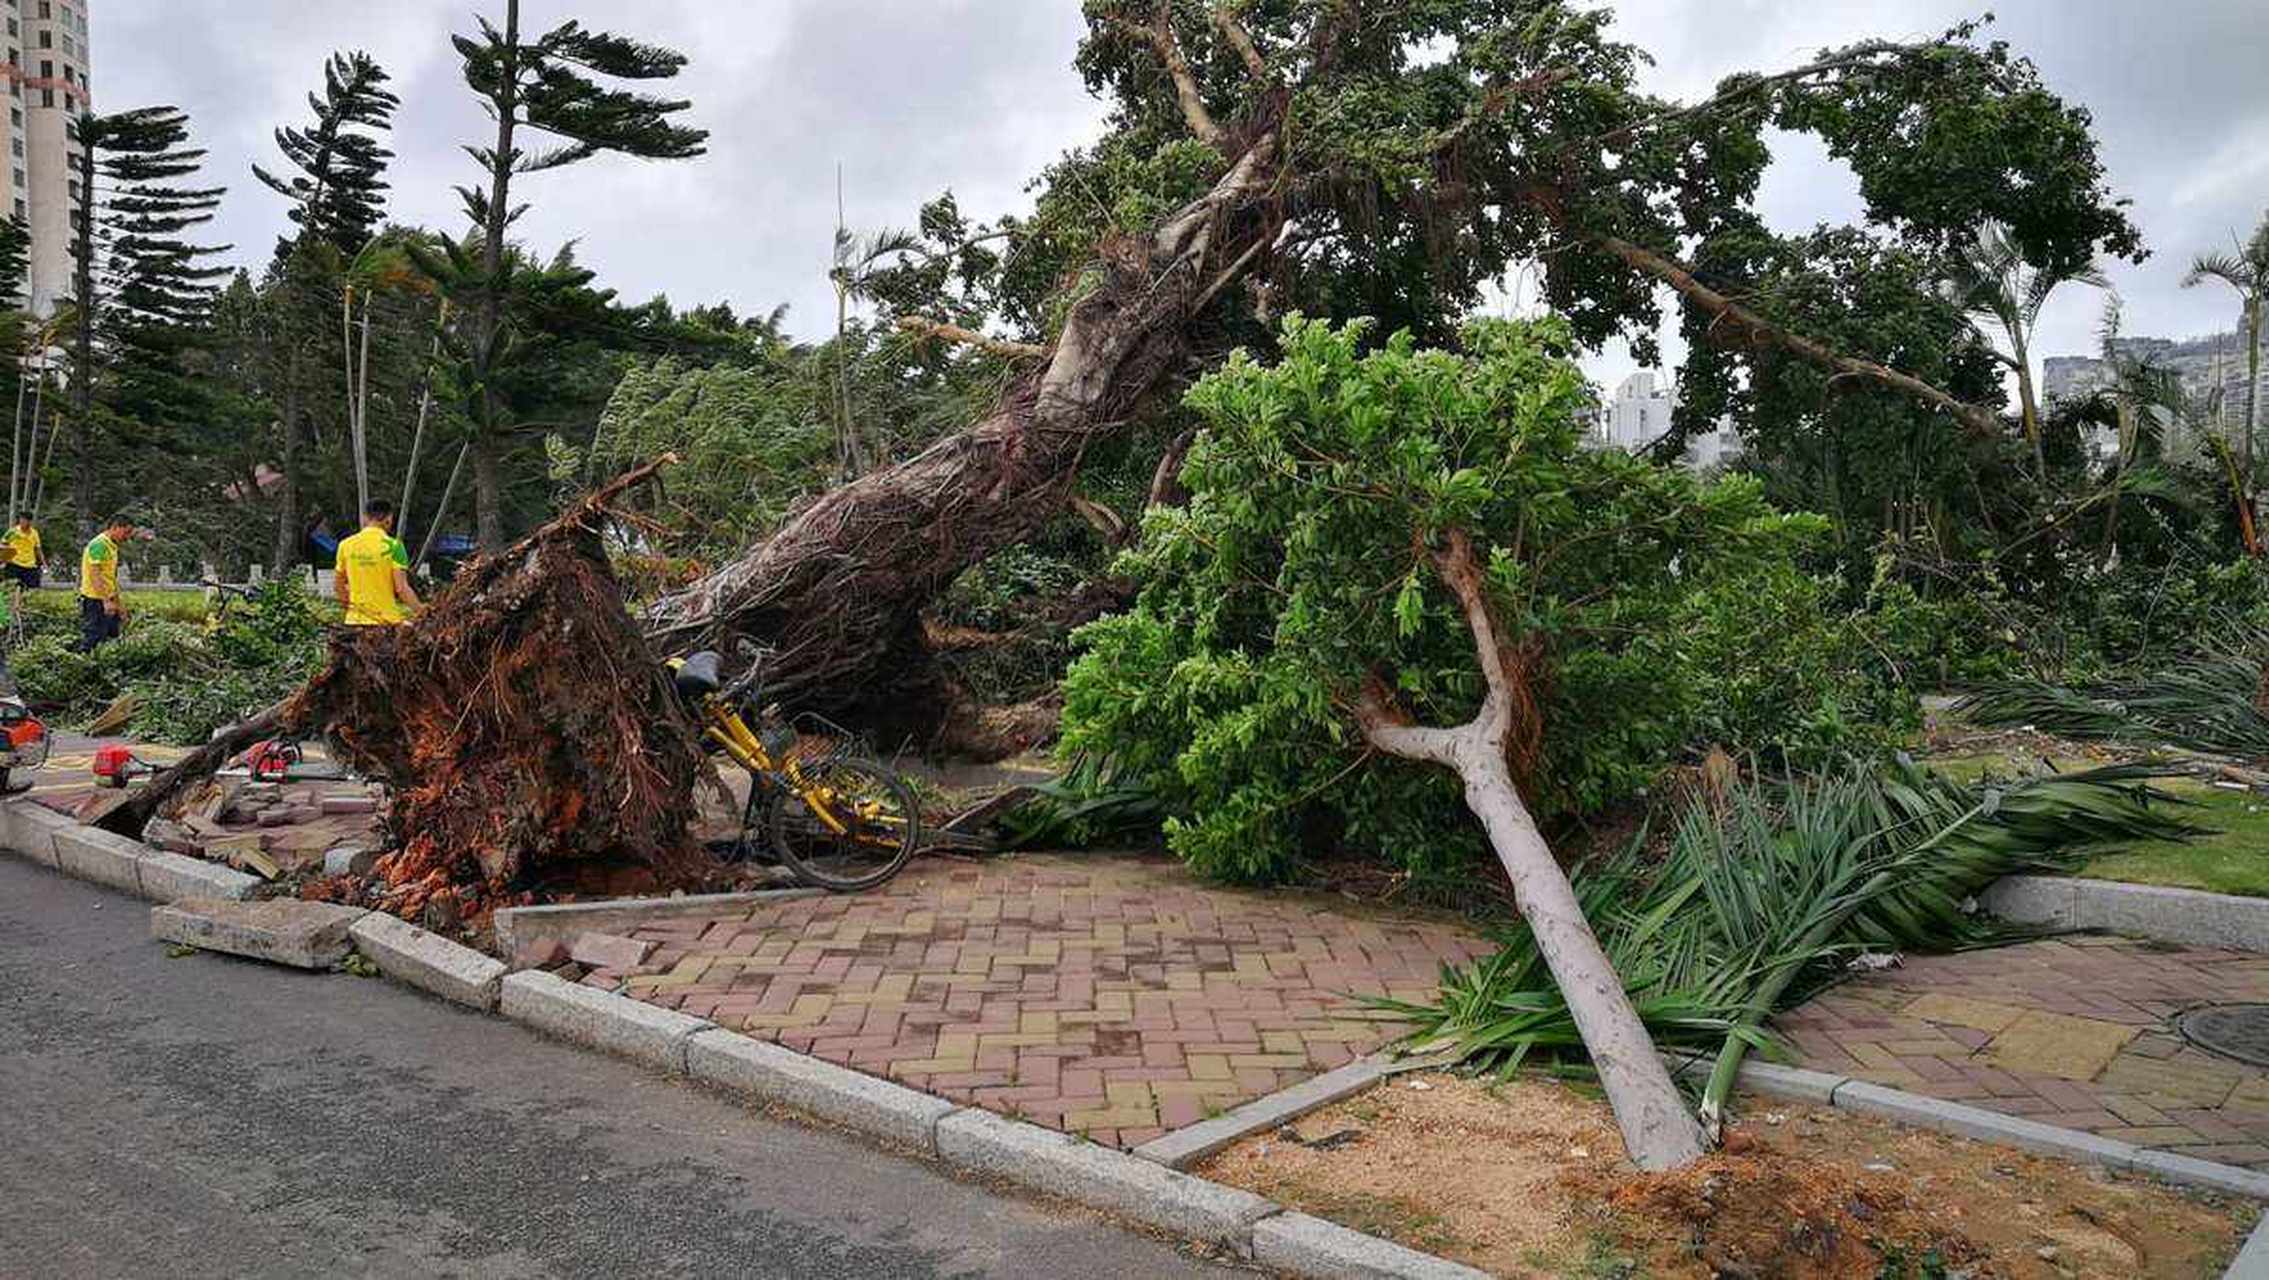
{"x": 749, "y": 678}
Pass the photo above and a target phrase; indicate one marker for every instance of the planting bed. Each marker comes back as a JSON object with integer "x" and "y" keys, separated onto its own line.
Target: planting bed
{"x": 1528, "y": 1178}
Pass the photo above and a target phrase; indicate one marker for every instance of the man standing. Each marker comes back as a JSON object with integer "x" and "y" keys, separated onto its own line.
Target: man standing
{"x": 21, "y": 543}
{"x": 373, "y": 575}
{"x": 102, "y": 610}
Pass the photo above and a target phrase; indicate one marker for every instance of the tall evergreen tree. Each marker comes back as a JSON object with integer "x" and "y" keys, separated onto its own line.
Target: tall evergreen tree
{"x": 549, "y": 86}
{"x": 339, "y": 191}
{"x": 338, "y": 194}
{"x": 139, "y": 286}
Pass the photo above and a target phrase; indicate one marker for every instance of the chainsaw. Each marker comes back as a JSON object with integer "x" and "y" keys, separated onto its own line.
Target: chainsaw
{"x": 116, "y": 765}
{"x": 24, "y": 744}
{"x": 281, "y": 760}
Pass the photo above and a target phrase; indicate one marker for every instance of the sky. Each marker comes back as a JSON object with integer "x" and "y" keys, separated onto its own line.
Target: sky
{"x": 908, "y": 98}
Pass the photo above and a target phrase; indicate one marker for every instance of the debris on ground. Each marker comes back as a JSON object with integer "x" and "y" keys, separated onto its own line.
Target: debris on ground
{"x": 1529, "y": 1177}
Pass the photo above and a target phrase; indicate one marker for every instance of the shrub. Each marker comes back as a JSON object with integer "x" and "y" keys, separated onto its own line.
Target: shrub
{"x": 1300, "y": 569}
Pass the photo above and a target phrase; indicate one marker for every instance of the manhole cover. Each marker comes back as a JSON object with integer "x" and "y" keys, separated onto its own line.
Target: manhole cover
{"x": 2239, "y": 1031}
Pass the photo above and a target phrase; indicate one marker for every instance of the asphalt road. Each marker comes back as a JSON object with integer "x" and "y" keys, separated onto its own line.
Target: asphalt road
{"x": 214, "y": 1117}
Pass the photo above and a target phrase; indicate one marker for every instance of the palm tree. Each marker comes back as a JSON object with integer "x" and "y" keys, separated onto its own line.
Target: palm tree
{"x": 2146, "y": 399}
{"x": 1993, "y": 281}
{"x": 2246, "y": 271}
{"x": 852, "y": 273}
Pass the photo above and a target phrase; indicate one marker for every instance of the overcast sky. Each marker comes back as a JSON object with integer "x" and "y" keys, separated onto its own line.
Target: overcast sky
{"x": 910, "y": 97}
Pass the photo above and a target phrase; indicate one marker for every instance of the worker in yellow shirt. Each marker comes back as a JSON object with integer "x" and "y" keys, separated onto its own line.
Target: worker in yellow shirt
{"x": 373, "y": 574}
{"x": 21, "y": 545}
{"x": 102, "y": 610}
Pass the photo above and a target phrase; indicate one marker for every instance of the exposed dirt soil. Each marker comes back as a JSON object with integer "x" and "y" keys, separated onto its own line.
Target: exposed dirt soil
{"x": 1529, "y": 1178}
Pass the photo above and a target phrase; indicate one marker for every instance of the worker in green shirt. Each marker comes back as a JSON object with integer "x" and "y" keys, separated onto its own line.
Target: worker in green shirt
{"x": 102, "y": 610}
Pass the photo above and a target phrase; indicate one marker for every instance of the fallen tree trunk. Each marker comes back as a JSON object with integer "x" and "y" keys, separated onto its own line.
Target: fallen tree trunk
{"x": 133, "y": 813}
{"x": 837, "y": 592}
{"x": 1658, "y": 1130}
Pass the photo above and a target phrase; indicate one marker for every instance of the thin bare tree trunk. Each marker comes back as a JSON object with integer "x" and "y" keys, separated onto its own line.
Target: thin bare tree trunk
{"x": 1658, "y": 1131}
{"x": 417, "y": 438}
{"x": 441, "y": 513}
{"x": 361, "y": 410}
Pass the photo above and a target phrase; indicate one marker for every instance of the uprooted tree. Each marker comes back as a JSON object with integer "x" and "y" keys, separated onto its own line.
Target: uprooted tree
{"x": 1391, "y": 161}
{"x": 1379, "y": 543}
{"x": 521, "y": 723}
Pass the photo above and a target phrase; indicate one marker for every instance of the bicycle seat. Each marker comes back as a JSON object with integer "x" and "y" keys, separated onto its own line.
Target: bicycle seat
{"x": 697, "y": 676}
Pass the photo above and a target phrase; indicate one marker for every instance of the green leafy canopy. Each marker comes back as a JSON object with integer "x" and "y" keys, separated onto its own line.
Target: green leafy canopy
{"x": 1300, "y": 568}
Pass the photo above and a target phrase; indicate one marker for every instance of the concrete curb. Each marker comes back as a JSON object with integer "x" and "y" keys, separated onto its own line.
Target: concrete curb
{"x": 1101, "y": 1178}
{"x": 2252, "y": 1261}
{"x": 418, "y": 958}
{"x": 1297, "y": 1244}
{"x": 1964, "y": 1121}
{"x": 517, "y": 926}
{"x": 599, "y": 1019}
{"x": 1192, "y": 1143}
{"x": 2186, "y": 916}
{"x": 769, "y": 1073}
{"x": 38, "y": 833}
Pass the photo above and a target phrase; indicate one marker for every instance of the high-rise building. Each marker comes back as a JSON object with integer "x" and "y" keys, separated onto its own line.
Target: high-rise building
{"x": 47, "y": 89}
{"x": 1639, "y": 415}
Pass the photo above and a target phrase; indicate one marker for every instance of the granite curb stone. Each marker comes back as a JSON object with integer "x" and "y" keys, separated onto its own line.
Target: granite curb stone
{"x": 769, "y": 1073}
{"x": 90, "y": 853}
{"x": 170, "y": 877}
{"x": 1192, "y": 1143}
{"x": 1297, "y": 1244}
{"x": 1101, "y": 1178}
{"x": 600, "y": 1019}
{"x": 286, "y": 931}
{"x": 426, "y": 960}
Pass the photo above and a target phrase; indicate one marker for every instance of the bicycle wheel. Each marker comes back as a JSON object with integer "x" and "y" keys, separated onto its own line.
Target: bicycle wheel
{"x": 845, "y": 824}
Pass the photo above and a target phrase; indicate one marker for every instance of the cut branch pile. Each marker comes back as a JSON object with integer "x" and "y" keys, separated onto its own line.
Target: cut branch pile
{"x": 521, "y": 721}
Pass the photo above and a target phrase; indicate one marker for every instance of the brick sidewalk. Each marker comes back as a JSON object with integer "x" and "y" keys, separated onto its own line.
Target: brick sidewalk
{"x": 2073, "y": 1032}
{"x": 1113, "y": 996}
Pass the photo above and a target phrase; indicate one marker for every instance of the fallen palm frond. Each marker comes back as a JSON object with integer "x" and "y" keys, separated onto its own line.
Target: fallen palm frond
{"x": 2205, "y": 701}
{"x": 1759, "y": 900}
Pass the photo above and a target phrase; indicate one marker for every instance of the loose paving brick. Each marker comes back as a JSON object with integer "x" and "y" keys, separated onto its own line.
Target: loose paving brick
{"x": 1113, "y": 997}
{"x": 2072, "y": 1032}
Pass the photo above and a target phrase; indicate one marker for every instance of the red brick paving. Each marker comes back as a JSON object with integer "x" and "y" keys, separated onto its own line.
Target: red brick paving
{"x": 1113, "y": 996}
{"x": 2153, "y": 1088}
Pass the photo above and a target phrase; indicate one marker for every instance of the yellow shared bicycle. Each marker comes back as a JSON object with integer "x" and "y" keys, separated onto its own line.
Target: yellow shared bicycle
{"x": 838, "y": 821}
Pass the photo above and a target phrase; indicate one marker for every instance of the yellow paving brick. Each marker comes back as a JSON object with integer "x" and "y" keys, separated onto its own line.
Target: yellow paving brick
{"x": 1128, "y": 1093}
{"x": 934, "y": 1066}
{"x": 1017, "y": 1040}
{"x": 1284, "y": 1042}
{"x": 1268, "y": 1059}
{"x": 956, "y": 1044}
{"x": 1210, "y": 1066}
{"x": 1123, "y": 1118}
{"x": 1184, "y": 980}
{"x": 2056, "y": 1044}
{"x": 1037, "y": 1022}
{"x": 1211, "y": 1090}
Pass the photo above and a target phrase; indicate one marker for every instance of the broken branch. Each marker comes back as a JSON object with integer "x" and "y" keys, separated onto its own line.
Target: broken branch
{"x": 939, "y": 330}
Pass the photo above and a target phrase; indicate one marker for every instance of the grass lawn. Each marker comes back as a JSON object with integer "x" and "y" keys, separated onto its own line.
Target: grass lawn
{"x": 2235, "y": 859}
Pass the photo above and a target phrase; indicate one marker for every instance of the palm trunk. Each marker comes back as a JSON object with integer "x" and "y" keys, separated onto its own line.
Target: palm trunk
{"x": 441, "y": 513}
{"x": 488, "y": 495}
{"x": 417, "y": 437}
{"x": 16, "y": 467}
{"x": 2029, "y": 405}
{"x": 2252, "y": 385}
{"x": 360, "y": 406}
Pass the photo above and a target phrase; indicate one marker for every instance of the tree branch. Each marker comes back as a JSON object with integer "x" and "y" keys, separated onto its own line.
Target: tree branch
{"x": 1462, "y": 571}
{"x": 939, "y": 330}
{"x": 1242, "y": 41}
{"x": 1765, "y": 333}
{"x": 1159, "y": 35}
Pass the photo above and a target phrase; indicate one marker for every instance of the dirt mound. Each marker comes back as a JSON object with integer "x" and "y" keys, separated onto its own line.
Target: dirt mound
{"x": 1750, "y": 1210}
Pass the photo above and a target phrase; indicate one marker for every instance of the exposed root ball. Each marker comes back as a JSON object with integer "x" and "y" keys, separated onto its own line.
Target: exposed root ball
{"x": 522, "y": 722}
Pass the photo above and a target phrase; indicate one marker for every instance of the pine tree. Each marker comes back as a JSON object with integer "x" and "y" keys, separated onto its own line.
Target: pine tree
{"x": 338, "y": 196}
{"x": 552, "y": 86}
{"x": 339, "y": 191}
{"x": 140, "y": 288}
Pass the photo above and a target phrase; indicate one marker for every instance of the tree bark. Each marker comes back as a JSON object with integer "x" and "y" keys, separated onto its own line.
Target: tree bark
{"x": 1657, "y": 1129}
{"x": 837, "y": 591}
{"x": 488, "y": 494}
{"x": 287, "y": 491}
